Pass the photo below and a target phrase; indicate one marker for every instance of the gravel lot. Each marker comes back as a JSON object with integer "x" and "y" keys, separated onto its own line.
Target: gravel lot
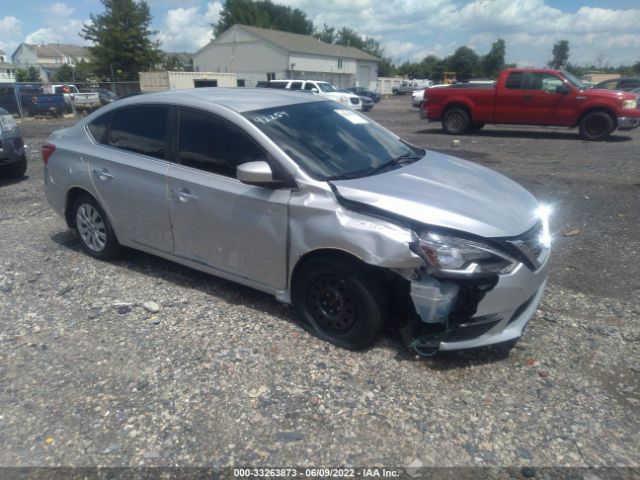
{"x": 144, "y": 362}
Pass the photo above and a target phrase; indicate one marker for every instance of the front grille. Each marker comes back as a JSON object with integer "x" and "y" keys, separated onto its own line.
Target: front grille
{"x": 354, "y": 101}
{"x": 528, "y": 248}
{"x": 469, "y": 331}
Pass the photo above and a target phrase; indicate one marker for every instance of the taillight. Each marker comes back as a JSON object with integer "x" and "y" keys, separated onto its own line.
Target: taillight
{"x": 47, "y": 150}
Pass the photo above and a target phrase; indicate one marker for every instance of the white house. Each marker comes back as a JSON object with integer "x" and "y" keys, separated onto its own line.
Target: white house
{"x": 7, "y": 72}
{"x": 258, "y": 54}
{"x": 48, "y": 58}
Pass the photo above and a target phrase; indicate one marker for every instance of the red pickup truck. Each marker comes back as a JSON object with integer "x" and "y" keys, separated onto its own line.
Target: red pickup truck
{"x": 530, "y": 96}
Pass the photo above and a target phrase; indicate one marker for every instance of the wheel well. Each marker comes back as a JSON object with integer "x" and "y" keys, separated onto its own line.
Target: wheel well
{"x": 599, "y": 109}
{"x": 72, "y": 194}
{"x": 451, "y": 106}
{"x": 327, "y": 253}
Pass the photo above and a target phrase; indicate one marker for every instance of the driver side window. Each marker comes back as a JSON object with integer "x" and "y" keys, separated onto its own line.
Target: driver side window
{"x": 213, "y": 144}
{"x": 544, "y": 81}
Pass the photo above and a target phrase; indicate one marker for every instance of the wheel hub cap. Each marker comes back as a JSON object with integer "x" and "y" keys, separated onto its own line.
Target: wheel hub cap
{"x": 91, "y": 227}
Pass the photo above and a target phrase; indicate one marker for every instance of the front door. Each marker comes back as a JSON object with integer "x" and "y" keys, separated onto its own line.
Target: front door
{"x": 216, "y": 219}
{"x": 543, "y": 105}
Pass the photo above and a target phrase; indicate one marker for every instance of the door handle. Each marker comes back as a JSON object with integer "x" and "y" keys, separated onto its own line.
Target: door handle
{"x": 103, "y": 174}
{"x": 184, "y": 195}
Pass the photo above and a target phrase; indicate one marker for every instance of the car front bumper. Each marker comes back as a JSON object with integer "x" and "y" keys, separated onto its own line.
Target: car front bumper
{"x": 628, "y": 123}
{"x": 11, "y": 149}
{"x": 500, "y": 316}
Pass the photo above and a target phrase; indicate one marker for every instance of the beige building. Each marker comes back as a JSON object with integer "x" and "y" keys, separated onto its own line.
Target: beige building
{"x": 7, "y": 70}
{"x": 258, "y": 54}
{"x": 48, "y": 58}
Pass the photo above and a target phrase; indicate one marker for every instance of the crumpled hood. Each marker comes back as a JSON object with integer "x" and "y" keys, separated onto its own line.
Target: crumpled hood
{"x": 448, "y": 192}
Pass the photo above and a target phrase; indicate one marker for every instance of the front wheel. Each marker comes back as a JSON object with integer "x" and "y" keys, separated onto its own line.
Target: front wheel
{"x": 341, "y": 301}
{"x": 456, "y": 121}
{"x": 94, "y": 229}
{"x": 596, "y": 126}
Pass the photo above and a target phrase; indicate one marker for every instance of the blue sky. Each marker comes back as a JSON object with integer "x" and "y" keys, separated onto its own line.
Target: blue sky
{"x": 599, "y": 32}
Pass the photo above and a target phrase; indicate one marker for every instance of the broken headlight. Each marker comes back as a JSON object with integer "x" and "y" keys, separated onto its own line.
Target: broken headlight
{"x": 451, "y": 255}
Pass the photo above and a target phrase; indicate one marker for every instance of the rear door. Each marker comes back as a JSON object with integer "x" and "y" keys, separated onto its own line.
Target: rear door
{"x": 217, "y": 220}
{"x": 509, "y": 99}
{"x": 128, "y": 170}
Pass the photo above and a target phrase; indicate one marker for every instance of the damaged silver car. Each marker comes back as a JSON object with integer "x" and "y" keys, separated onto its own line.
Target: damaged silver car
{"x": 305, "y": 199}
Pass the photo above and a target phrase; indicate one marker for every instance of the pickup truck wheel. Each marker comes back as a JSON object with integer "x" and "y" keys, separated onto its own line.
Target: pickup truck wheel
{"x": 456, "y": 121}
{"x": 596, "y": 126}
{"x": 341, "y": 302}
{"x": 14, "y": 170}
{"x": 26, "y": 111}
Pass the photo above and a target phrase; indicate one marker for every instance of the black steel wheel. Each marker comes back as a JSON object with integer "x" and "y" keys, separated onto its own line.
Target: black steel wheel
{"x": 596, "y": 126}
{"x": 340, "y": 301}
{"x": 456, "y": 121}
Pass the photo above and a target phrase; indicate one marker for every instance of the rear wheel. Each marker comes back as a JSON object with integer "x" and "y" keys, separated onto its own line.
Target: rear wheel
{"x": 456, "y": 121}
{"x": 596, "y": 126}
{"x": 14, "y": 170}
{"x": 341, "y": 301}
{"x": 93, "y": 229}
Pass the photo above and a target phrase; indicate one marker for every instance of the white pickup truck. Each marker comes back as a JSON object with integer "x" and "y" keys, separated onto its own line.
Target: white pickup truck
{"x": 84, "y": 101}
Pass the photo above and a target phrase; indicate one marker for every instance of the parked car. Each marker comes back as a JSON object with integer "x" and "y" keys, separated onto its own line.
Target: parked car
{"x": 410, "y": 87}
{"x": 105, "y": 96}
{"x": 623, "y": 83}
{"x": 309, "y": 201}
{"x": 365, "y": 102}
{"x": 365, "y": 92}
{"x": 86, "y": 101}
{"x": 324, "y": 89}
{"x": 13, "y": 159}
{"x": 533, "y": 97}
{"x": 33, "y": 101}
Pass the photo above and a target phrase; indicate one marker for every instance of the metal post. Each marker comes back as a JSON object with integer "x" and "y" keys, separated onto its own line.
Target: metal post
{"x": 18, "y": 103}
{"x": 113, "y": 80}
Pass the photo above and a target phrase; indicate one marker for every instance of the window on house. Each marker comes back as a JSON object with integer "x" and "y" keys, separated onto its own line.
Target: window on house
{"x": 271, "y": 76}
{"x": 340, "y": 63}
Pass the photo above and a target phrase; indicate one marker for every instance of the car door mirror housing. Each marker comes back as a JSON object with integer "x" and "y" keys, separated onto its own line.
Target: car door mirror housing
{"x": 256, "y": 173}
{"x": 315, "y": 90}
{"x": 563, "y": 89}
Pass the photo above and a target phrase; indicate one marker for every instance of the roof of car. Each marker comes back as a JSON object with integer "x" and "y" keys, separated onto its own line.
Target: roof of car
{"x": 238, "y": 99}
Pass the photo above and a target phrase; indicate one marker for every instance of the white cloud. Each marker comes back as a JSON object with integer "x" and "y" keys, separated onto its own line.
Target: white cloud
{"x": 189, "y": 29}
{"x": 10, "y": 34}
{"x": 58, "y": 27}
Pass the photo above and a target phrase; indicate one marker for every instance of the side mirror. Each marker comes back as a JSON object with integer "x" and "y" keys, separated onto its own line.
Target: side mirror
{"x": 255, "y": 173}
{"x": 563, "y": 89}
{"x": 315, "y": 90}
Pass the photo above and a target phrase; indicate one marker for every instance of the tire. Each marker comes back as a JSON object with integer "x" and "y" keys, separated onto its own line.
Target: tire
{"x": 477, "y": 126}
{"x": 27, "y": 112}
{"x": 94, "y": 229}
{"x": 14, "y": 170}
{"x": 596, "y": 126}
{"x": 340, "y": 301}
{"x": 456, "y": 121}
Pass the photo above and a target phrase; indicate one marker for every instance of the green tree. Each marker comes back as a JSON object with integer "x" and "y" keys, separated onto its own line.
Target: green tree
{"x": 464, "y": 62}
{"x": 560, "y": 54}
{"x": 263, "y": 14}
{"x": 122, "y": 39}
{"x": 64, "y": 74}
{"x": 30, "y": 74}
{"x": 326, "y": 35}
{"x": 493, "y": 62}
{"x": 84, "y": 72}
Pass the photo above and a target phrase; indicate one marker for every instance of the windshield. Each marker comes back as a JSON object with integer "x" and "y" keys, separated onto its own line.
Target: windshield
{"x": 330, "y": 141}
{"x": 573, "y": 80}
{"x": 327, "y": 87}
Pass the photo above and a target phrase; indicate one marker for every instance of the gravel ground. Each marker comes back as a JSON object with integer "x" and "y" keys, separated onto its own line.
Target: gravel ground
{"x": 144, "y": 362}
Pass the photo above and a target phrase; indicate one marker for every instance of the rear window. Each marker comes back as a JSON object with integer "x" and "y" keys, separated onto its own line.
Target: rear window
{"x": 98, "y": 127}
{"x": 514, "y": 80}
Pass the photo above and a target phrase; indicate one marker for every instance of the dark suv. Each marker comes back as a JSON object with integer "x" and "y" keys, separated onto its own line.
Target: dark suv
{"x": 13, "y": 160}
{"x": 365, "y": 92}
{"x": 623, "y": 83}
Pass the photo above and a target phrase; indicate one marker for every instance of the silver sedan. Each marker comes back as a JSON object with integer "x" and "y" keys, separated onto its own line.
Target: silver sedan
{"x": 316, "y": 204}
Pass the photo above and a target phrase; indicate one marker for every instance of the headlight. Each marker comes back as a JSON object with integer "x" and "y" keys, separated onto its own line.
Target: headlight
{"x": 629, "y": 104}
{"x": 7, "y": 123}
{"x": 458, "y": 256}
